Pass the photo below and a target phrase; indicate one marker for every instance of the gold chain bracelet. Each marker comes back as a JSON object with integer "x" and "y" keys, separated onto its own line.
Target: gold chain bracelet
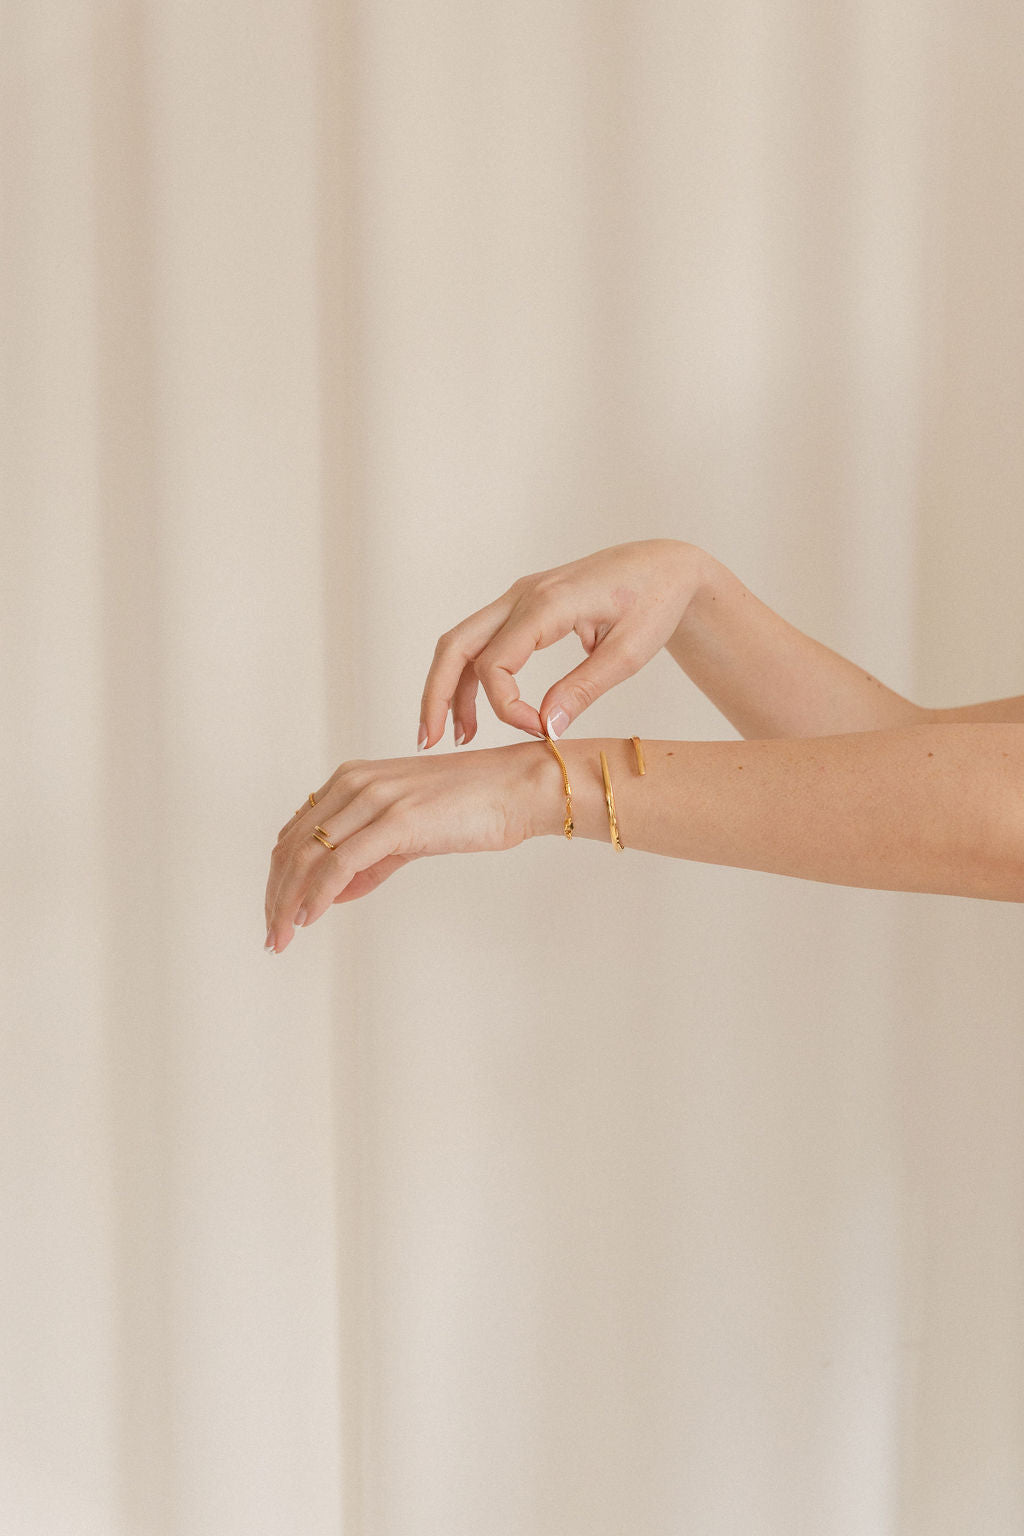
{"x": 568, "y": 827}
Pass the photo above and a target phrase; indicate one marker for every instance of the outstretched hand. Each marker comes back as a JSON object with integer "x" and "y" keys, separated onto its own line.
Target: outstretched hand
{"x": 381, "y": 815}
{"x": 624, "y": 603}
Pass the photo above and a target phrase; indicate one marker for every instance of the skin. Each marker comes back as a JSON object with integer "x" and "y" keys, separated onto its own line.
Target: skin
{"x": 838, "y": 779}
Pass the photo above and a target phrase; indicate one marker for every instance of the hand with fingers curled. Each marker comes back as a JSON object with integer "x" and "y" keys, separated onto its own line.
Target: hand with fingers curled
{"x": 371, "y": 818}
{"x": 624, "y": 603}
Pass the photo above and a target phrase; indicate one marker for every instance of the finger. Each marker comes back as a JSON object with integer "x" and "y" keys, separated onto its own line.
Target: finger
{"x": 312, "y": 886}
{"x": 290, "y": 830}
{"x": 295, "y": 817}
{"x": 452, "y": 653}
{"x": 530, "y": 630}
{"x": 298, "y": 834}
{"x": 368, "y": 880}
{"x": 464, "y": 705}
{"x": 617, "y": 657}
{"x": 303, "y": 809}
{"x": 365, "y": 802}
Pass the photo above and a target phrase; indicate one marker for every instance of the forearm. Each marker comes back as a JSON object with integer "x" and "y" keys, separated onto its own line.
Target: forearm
{"x": 921, "y": 808}
{"x": 767, "y": 677}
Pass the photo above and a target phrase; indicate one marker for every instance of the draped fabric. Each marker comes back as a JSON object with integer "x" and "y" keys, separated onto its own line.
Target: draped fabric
{"x": 553, "y": 1193}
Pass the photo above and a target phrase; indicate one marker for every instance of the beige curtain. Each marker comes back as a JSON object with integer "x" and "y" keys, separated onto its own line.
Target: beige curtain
{"x": 540, "y": 1193}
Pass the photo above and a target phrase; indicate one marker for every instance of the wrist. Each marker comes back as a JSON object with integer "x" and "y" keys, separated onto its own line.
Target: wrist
{"x": 701, "y": 590}
{"x": 544, "y": 792}
{"x": 583, "y": 764}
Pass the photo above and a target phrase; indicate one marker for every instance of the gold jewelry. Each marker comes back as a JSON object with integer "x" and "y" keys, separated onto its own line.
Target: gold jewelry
{"x": 609, "y": 799}
{"x": 321, "y": 837}
{"x": 638, "y": 749}
{"x": 568, "y": 827}
{"x": 312, "y": 801}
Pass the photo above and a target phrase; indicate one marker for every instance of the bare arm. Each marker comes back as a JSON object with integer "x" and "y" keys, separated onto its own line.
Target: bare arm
{"x": 1006, "y": 711}
{"x": 769, "y": 679}
{"x": 931, "y": 808}
{"x": 935, "y": 808}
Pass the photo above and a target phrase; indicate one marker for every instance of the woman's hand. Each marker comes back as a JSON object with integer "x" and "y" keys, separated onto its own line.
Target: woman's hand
{"x": 625, "y": 603}
{"x": 383, "y": 814}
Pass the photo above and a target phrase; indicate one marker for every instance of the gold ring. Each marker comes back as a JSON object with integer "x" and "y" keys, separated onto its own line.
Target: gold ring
{"x": 321, "y": 837}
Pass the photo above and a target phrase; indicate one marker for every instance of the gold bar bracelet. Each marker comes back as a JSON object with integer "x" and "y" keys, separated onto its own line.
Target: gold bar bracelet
{"x": 609, "y": 798}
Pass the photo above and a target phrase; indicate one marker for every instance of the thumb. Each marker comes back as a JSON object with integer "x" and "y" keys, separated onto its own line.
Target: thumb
{"x": 609, "y": 663}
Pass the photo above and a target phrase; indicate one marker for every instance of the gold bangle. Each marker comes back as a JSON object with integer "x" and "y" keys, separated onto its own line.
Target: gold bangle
{"x": 638, "y": 749}
{"x": 609, "y": 799}
{"x": 568, "y": 827}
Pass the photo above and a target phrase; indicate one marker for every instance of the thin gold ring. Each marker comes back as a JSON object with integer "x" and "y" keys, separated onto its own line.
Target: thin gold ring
{"x": 321, "y": 837}
{"x": 312, "y": 801}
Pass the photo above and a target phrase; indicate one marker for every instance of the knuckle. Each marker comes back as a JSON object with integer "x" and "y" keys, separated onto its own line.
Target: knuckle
{"x": 376, "y": 794}
{"x": 524, "y": 585}
{"x": 631, "y": 653}
{"x": 352, "y": 766}
{"x": 549, "y": 584}
{"x": 487, "y": 665}
{"x": 582, "y": 692}
{"x": 449, "y": 641}
{"x": 351, "y": 777}
{"x": 496, "y": 680}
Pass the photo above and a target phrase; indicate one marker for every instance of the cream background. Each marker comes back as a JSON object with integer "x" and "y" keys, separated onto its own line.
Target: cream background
{"x": 537, "y": 1194}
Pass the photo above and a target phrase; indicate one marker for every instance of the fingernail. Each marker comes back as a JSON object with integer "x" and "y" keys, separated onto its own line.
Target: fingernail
{"x": 300, "y": 917}
{"x": 269, "y": 945}
{"x": 557, "y": 722}
{"x": 421, "y": 740}
{"x": 460, "y": 736}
